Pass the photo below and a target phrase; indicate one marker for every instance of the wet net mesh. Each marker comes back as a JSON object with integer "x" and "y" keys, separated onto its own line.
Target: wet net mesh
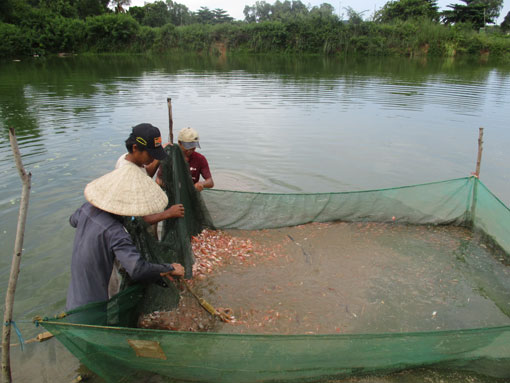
{"x": 103, "y": 337}
{"x": 175, "y": 245}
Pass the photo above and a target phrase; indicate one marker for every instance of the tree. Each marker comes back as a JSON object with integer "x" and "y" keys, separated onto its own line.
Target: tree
{"x": 408, "y": 9}
{"x": 505, "y": 25}
{"x": 179, "y": 13}
{"x": 120, "y": 5}
{"x": 204, "y": 16}
{"x": 476, "y": 12}
{"x": 355, "y": 18}
{"x": 138, "y": 13}
{"x": 261, "y": 11}
{"x": 221, "y": 16}
{"x": 87, "y": 8}
{"x": 156, "y": 14}
{"x": 492, "y": 8}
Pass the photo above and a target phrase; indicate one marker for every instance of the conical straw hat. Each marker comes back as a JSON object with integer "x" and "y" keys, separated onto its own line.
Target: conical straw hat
{"x": 126, "y": 191}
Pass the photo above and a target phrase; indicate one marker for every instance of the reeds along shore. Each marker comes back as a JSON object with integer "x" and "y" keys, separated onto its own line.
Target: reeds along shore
{"x": 44, "y": 34}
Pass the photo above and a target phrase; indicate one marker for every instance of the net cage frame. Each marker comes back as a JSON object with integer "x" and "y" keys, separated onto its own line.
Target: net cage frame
{"x": 97, "y": 336}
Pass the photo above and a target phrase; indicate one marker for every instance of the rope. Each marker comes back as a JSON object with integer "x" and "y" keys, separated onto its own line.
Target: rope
{"x": 18, "y": 332}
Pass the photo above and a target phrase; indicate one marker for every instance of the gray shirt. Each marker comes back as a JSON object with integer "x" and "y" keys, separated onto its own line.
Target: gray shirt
{"x": 99, "y": 239}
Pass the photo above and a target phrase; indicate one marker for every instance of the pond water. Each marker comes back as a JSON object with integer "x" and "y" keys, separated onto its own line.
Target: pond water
{"x": 359, "y": 278}
{"x": 266, "y": 123}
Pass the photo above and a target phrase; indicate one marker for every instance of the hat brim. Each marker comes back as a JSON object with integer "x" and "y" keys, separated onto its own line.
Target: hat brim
{"x": 190, "y": 145}
{"x": 157, "y": 153}
{"x": 126, "y": 191}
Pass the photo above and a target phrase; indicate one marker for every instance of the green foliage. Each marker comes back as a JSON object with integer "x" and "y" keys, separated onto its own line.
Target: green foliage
{"x": 74, "y": 8}
{"x": 155, "y": 14}
{"x": 476, "y": 12}
{"x": 111, "y": 32}
{"x": 145, "y": 39}
{"x": 285, "y": 11}
{"x": 120, "y": 5}
{"x": 354, "y": 17}
{"x": 179, "y": 13}
{"x": 14, "y": 41}
{"x": 284, "y": 27}
{"x": 268, "y": 36}
{"x": 166, "y": 38}
{"x": 86, "y": 8}
{"x": 137, "y": 13}
{"x": 216, "y": 16}
{"x": 194, "y": 37}
{"x": 408, "y": 10}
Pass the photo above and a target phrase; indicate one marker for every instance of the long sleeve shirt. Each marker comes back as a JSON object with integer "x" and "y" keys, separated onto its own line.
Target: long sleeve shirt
{"x": 99, "y": 239}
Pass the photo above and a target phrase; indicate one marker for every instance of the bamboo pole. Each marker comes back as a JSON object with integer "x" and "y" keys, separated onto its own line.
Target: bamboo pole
{"x": 477, "y": 175}
{"x": 480, "y": 149}
{"x": 16, "y": 259}
{"x": 170, "y": 119}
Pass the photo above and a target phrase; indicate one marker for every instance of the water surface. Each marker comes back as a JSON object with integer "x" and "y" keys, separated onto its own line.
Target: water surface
{"x": 266, "y": 124}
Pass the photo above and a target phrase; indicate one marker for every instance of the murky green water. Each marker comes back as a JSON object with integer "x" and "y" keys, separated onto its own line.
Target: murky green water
{"x": 266, "y": 123}
{"x": 358, "y": 278}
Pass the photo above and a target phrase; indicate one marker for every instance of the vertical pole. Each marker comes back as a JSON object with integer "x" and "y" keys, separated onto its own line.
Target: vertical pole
{"x": 480, "y": 149}
{"x": 170, "y": 120}
{"x": 16, "y": 260}
{"x": 476, "y": 174}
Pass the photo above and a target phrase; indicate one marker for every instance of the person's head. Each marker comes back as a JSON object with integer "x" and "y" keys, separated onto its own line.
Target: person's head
{"x": 188, "y": 140}
{"x": 126, "y": 191}
{"x": 144, "y": 143}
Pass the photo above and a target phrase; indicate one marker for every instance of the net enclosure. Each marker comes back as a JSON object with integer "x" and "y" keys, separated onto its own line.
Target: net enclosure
{"x": 104, "y": 337}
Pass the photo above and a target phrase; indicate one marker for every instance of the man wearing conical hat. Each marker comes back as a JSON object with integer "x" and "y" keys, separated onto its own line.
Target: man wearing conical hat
{"x": 101, "y": 237}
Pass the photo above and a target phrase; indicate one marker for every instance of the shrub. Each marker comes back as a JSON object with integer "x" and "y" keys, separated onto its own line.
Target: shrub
{"x": 166, "y": 37}
{"x": 13, "y": 41}
{"x": 111, "y": 32}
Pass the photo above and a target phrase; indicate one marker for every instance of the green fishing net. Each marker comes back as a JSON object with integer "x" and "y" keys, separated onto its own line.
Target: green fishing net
{"x": 102, "y": 337}
{"x": 175, "y": 243}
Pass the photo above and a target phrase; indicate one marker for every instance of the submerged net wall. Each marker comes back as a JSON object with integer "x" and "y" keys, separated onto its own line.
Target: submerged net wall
{"x": 121, "y": 353}
{"x": 446, "y": 202}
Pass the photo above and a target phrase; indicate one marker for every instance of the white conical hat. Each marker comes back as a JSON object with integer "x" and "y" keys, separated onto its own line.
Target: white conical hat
{"x": 126, "y": 191}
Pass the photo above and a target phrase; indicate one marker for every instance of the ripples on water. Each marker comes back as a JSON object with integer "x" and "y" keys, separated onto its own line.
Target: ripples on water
{"x": 266, "y": 124}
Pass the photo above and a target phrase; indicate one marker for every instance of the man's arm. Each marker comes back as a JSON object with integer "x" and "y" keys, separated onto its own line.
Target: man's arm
{"x": 201, "y": 185}
{"x": 132, "y": 261}
{"x": 205, "y": 172}
{"x": 174, "y": 211}
{"x": 152, "y": 168}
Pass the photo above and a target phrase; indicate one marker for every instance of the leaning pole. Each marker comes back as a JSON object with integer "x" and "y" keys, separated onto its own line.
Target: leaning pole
{"x": 16, "y": 259}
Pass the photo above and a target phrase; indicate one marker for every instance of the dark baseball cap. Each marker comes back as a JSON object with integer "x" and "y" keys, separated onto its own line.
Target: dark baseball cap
{"x": 148, "y": 138}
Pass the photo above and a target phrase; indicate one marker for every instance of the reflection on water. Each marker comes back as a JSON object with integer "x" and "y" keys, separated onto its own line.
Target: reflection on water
{"x": 266, "y": 123}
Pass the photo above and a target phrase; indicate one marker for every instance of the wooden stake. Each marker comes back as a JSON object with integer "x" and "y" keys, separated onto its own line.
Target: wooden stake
{"x": 16, "y": 259}
{"x": 170, "y": 119}
{"x": 477, "y": 175}
{"x": 480, "y": 148}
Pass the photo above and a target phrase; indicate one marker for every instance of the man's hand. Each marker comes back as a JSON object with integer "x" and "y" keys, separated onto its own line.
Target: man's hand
{"x": 178, "y": 271}
{"x": 199, "y": 186}
{"x": 175, "y": 211}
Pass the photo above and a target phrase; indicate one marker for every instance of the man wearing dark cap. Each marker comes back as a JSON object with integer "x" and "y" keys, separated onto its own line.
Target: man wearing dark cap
{"x": 144, "y": 148}
{"x": 146, "y": 151}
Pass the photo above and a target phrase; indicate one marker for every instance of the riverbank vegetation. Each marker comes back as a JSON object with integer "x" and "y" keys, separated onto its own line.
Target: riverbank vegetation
{"x": 401, "y": 27}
